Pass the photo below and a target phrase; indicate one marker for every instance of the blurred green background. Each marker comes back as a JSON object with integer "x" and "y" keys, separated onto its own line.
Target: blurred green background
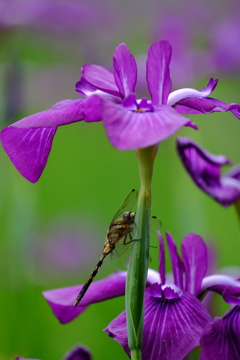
{"x": 52, "y": 232}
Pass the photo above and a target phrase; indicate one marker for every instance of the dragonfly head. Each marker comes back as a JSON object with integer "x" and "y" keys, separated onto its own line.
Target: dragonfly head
{"x": 128, "y": 215}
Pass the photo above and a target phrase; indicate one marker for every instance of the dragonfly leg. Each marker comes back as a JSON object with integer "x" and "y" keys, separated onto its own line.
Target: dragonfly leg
{"x": 125, "y": 242}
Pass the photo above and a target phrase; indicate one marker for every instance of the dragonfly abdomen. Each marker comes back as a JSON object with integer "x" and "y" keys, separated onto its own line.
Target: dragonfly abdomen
{"x": 89, "y": 281}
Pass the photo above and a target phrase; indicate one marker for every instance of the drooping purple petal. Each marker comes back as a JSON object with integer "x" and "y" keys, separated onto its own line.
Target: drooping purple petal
{"x": 161, "y": 259}
{"x": 194, "y": 256}
{"x": 125, "y": 70}
{"x": 78, "y": 353}
{"x": 62, "y": 300}
{"x": 28, "y": 149}
{"x": 205, "y": 170}
{"x": 172, "y": 328}
{"x": 177, "y": 265}
{"x": 100, "y": 78}
{"x": 220, "y": 340}
{"x": 226, "y": 286}
{"x": 158, "y": 72}
{"x": 178, "y": 95}
{"x": 206, "y": 105}
{"x": 61, "y": 113}
{"x": 128, "y": 130}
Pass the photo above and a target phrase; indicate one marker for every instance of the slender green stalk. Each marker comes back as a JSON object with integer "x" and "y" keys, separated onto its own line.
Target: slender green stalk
{"x": 139, "y": 260}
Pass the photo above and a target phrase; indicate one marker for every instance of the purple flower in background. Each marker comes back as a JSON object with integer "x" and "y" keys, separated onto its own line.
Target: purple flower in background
{"x": 205, "y": 170}
{"x": 78, "y": 353}
{"x": 51, "y": 15}
{"x": 109, "y": 96}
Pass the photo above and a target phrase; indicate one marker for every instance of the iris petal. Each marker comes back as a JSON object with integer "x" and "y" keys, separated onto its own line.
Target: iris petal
{"x": 172, "y": 328}
{"x": 220, "y": 340}
{"x": 125, "y": 70}
{"x": 100, "y": 78}
{"x": 201, "y": 105}
{"x": 205, "y": 170}
{"x": 161, "y": 259}
{"x": 61, "y": 113}
{"x": 158, "y": 72}
{"x": 194, "y": 255}
{"x": 181, "y": 94}
{"x": 78, "y": 353}
{"x": 177, "y": 265}
{"x": 128, "y": 130}
{"x": 28, "y": 149}
{"x": 62, "y": 300}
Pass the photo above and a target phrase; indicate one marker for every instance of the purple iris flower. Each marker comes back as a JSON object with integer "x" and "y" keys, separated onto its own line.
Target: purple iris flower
{"x": 175, "y": 319}
{"x": 205, "y": 170}
{"x": 78, "y": 353}
{"x": 130, "y": 123}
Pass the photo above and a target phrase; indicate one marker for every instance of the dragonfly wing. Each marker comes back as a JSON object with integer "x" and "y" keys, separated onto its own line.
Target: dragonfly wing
{"x": 120, "y": 255}
{"x": 155, "y": 225}
{"x": 128, "y": 204}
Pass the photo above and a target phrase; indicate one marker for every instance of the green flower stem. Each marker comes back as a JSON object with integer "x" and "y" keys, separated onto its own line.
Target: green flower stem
{"x": 146, "y": 159}
{"x": 139, "y": 260}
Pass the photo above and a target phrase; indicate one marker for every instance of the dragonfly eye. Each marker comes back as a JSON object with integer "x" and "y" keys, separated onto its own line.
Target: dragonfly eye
{"x": 126, "y": 215}
{"x": 132, "y": 216}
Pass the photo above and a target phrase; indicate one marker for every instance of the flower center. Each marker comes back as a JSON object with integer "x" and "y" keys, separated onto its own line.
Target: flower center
{"x": 140, "y": 110}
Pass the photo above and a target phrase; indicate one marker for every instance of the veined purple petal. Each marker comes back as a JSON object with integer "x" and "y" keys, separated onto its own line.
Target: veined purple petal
{"x": 28, "y": 149}
{"x": 61, "y": 113}
{"x": 181, "y": 94}
{"x": 201, "y": 105}
{"x": 172, "y": 328}
{"x": 161, "y": 259}
{"x": 205, "y": 170}
{"x": 62, "y": 300}
{"x": 177, "y": 265}
{"x": 125, "y": 70}
{"x": 158, "y": 73}
{"x": 220, "y": 340}
{"x": 194, "y": 255}
{"x": 128, "y": 130}
{"x": 78, "y": 353}
{"x": 100, "y": 78}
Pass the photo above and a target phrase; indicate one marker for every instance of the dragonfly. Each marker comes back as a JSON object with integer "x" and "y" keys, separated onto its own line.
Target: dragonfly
{"x": 119, "y": 230}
